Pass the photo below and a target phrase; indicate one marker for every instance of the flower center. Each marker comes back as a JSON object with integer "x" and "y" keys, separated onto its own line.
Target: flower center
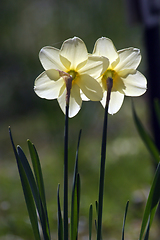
{"x": 109, "y": 73}
{"x": 74, "y": 75}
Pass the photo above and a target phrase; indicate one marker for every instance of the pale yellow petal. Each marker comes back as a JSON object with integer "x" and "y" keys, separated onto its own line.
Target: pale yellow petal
{"x": 49, "y": 57}
{"x": 135, "y": 84}
{"x": 95, "y": 66}
{"x": 75, "y": 101}
{"x": 83, "y": 96}
{"x": 115, "y": 102}
{"x": 103, "y": 101}
{"x": 62, "y": 101}
{"x": 66, "y": 63}
{"x": 129, "y": 59}
{"x": 75, "y": 51}
{"x": 90, "y": 87}
{"x": 53, "y": 74}
{"x": 104, "y": 47}
{"x": 124, "y": 73}
{"x": 46, "y": 88}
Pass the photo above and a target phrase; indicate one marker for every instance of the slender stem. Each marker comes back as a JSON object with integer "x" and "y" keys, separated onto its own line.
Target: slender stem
{"x": 103, "y": 160}
{"x": 65, "y": 217}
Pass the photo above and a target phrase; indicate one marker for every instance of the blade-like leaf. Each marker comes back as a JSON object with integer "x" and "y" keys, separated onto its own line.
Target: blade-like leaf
{"x": 35, "y": 192}
{"x": 152, "y": 203}
{"x": 97, "y": 206}
{"x": 124, "y": 221}
{"x": 74, "y": 213}
{"x": 27, "y": 193}
{"x": 75, "y": 203}
{"x": 90, "y": 221}
{"x": 146, "y": 237}
{"x": 78, "y": 200}
{"x": 38, "y": 175}
{"x": 60, "y": 223}
{"x": 146, "y": 138}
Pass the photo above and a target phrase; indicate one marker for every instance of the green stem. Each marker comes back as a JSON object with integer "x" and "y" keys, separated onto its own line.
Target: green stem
{"x": 65, "y": 216}
{"x": 103, "y": 160}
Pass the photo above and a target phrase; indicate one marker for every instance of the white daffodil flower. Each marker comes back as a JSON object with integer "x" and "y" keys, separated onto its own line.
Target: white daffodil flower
{"x": 72, "y": 59}
{"x": 122, "y": 69}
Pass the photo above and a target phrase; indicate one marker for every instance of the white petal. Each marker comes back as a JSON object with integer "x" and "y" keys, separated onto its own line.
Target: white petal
{"x": 46, "y": 88}
{"x": 95, "y": 66}
{"x": 115, "y": 102}
{"x": 75, "y": 101}
{"x": 53, "y": 74}
{"x": 62, "y": 101}
{"x": 104, "y": 47}
{"x": 135, "y": 84}
{"x": 49, "y": 57}
{"x": 75, "y": 51}
{"x": 129, "y": 59}
{"x": 83, "y": 96}
{"x": 90, "y": 87}
{"x": 124, "y": 73}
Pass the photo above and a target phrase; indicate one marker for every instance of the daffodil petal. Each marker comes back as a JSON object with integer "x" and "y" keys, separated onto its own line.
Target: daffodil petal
{"x": 135, "y": 84}
{"x": 66, "y": 63}
{"x": 75, "y": 51}
{"x": 83, "y": 96}
{"x": 95, "y": 66}
{"x": 49, "y": 57}
{"x": 124, "y": 73}
{"x": 129, "y": 59}
{"x": 90, "y": 87}
{"x": 104, "y": 47}
{"x": 62, "y": 101}
{"x": 53, "y": 74}
{"x": 74, "y": 103}
{"x": 46, "y": 88}
{"x": 115, "y": 102}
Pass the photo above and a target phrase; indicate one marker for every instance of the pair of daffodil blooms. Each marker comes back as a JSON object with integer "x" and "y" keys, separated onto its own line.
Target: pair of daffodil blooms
{"x": 89, "y": 74}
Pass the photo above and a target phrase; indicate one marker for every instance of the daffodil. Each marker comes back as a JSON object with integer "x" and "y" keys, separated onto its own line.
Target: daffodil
{"x": 71, "y": 60}
{"x": 122, "y": 69}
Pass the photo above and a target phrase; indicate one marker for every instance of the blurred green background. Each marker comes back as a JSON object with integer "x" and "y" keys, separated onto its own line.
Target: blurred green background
{"x": 26, "y": 27}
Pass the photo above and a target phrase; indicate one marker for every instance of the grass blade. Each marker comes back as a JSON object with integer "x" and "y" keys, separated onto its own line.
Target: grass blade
{"x": 90, "y": 221}
{"x": 38, "y": 175}
{"x": 35, "y": 193}
{"x": 60, "y": 223}
{"x": 27, "y": 193}
{"x": 152, "y": 203}
{"x": 75, "y": 203}
{"x": 124, "y": 221}
{"x": 146, "y": 138}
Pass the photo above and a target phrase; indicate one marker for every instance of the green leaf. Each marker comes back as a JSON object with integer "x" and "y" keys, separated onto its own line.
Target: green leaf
{"x": 75, "y": 203}
{"x": 146, "y": 138}
{"x": 27, "y": 193}
{"x": 97, "y": 206}
{"x": 124, "y": 221}
{"x": 90, "y": 221}
{"x": 38, "y": 175}
{"x": 152, "y": 203}
{"x": 35, "y": 192}
{"x": 60, "y": 223}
